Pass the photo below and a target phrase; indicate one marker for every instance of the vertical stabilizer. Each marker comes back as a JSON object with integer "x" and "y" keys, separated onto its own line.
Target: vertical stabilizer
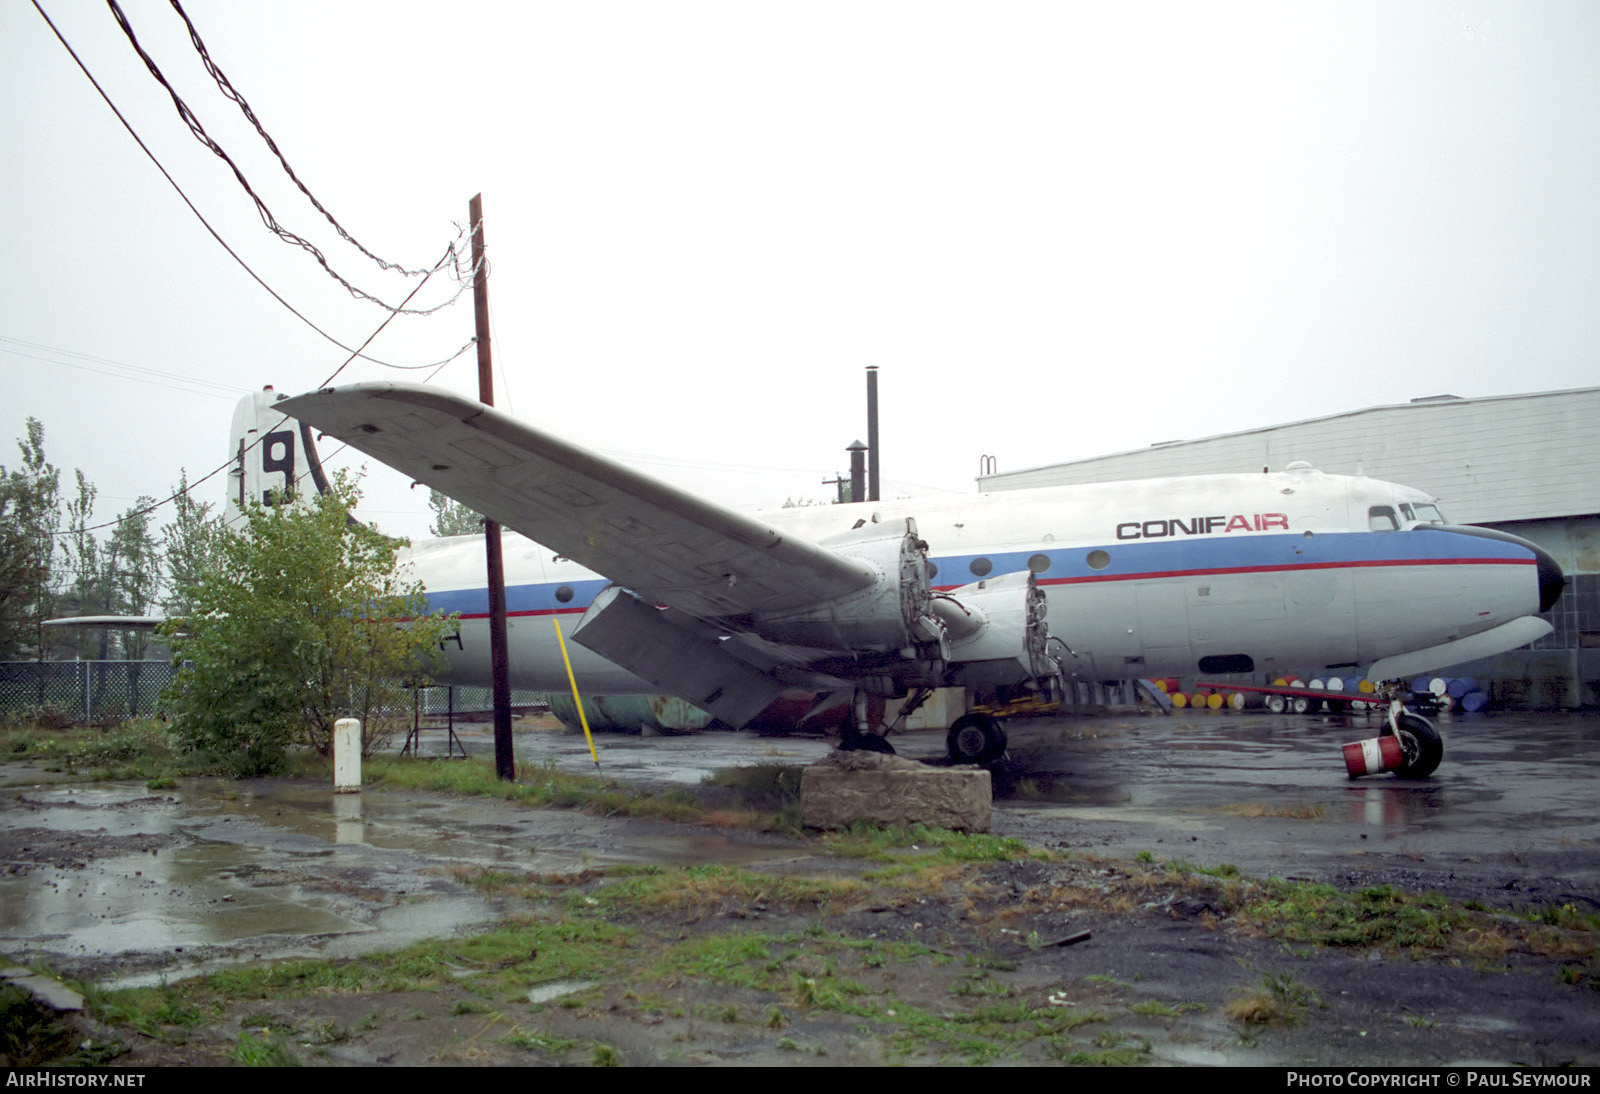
{"x": 274, "y": 457}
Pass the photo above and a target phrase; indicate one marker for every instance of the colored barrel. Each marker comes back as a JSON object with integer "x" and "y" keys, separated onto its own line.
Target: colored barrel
{"x": 1373, "y": 755}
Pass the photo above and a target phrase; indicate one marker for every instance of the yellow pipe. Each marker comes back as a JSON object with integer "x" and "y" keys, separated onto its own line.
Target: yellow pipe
{"x": 576, "y": 698}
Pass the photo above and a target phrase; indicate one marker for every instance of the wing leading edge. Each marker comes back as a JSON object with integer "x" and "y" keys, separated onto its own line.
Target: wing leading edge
{"x": 668, "y": 546}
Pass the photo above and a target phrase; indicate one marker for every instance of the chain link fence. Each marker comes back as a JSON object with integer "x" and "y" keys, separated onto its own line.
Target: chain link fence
{"x": 97, "y": 692}
{"x": 439, "y": 699}
{"x": 83, "y": 692}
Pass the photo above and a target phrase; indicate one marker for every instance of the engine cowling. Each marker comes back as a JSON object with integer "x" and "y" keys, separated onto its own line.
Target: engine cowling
{"x": 894, "y": 613}
{"x": 997, "y": 632}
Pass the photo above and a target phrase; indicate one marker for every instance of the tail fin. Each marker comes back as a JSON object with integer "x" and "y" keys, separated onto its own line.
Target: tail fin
{"x": 275, "y": 457}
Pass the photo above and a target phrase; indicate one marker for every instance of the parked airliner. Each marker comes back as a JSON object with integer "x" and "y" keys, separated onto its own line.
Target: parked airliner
{"x": 668, "y": 593}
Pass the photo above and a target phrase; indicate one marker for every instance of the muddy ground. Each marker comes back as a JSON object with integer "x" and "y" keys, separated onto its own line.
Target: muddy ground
{"x": 615, "y": 942}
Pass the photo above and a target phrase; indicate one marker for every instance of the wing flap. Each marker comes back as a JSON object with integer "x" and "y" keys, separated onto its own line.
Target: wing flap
{"x": 665, "y": 544}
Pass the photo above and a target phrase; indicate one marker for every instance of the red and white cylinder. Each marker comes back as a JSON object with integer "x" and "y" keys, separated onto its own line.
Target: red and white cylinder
{"x": 1373, "y": 756}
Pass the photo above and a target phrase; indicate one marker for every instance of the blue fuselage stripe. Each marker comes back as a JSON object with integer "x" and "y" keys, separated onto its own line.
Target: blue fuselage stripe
{"x": 1143, "y": 559}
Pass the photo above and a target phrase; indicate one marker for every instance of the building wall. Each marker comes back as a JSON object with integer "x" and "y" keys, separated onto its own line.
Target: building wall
{"x": 1514, "y": 457}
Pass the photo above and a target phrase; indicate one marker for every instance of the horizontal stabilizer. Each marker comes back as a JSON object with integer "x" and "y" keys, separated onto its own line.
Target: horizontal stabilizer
{"x": 1507, "y": 636}
{"x": 116, "y": 622}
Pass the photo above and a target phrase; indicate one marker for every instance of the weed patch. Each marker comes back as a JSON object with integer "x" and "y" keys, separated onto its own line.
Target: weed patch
{"x": 1280, "y": 999}
{"x": 536, "y": 785}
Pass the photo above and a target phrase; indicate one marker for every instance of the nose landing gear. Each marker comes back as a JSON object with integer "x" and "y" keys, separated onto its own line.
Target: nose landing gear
{"x": 1420, "y": 744}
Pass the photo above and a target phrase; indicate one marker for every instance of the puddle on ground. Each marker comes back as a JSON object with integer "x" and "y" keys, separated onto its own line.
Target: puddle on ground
{"x": 168, "y": 901}
{"x": 269, "y": 869}
{"x": 544, "y": 993}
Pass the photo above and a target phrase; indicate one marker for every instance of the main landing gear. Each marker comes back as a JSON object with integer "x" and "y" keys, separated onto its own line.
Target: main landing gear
{"x": 972, "y": 739}
{"x": 858, "y": 741}
{"x": 976, "y": 739}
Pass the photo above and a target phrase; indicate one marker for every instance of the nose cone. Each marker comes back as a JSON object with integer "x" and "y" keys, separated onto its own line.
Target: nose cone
{"x": 1551, "y": 579}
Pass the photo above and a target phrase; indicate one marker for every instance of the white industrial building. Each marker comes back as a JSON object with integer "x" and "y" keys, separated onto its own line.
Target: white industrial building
{"x": 1527, "y": 464}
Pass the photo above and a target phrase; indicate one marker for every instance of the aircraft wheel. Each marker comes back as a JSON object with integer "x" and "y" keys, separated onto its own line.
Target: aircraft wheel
{"x": 866, "y": 742}
{"x": 975, "y": 739}
{"x": 1276, "y": 704}
{"x": 1422, "y": 746}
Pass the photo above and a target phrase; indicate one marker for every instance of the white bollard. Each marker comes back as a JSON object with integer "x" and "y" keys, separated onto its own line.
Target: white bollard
{"x": 347, "y": 756}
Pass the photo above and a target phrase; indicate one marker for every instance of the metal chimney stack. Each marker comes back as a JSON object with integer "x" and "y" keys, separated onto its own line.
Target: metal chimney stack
{"x": 872, "y": 433}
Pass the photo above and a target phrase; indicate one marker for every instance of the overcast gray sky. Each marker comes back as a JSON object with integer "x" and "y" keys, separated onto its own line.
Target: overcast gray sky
{"x": 1059, "y": 229}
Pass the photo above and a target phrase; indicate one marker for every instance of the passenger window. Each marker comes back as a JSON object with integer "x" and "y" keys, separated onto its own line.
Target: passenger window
{"x": 1381, "y": 518}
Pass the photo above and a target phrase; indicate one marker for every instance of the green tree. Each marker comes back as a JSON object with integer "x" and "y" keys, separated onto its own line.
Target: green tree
{"x": 132, "y": 575}
{"x": 300, "y": 625}
{"x": 191, "y": 547}
{"x": 29, "y": 495}
{"x": 82, "y": 593}
{"x": 451, "y": 518}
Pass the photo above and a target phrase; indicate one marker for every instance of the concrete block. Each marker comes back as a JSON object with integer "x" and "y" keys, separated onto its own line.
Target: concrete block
{"x": 848, "y": 788}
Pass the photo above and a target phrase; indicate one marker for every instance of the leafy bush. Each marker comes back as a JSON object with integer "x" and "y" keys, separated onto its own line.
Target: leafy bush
{"x": 303, "y": 621}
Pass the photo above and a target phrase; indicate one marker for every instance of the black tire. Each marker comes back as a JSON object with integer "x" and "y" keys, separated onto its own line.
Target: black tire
{"x": 1276, "y": 704}
{"x": 1422, "y": 746}
{"x": 1300, "y": 705}
{"x": 975, "y": 739}
{"x": 866, "y": 742}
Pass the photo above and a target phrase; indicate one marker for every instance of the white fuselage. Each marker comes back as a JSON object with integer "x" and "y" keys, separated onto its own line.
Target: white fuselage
{"x": 1209, "y": 575}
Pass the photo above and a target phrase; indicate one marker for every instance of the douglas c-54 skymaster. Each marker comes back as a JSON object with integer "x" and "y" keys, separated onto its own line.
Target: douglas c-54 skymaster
{"x": 1215, "y": 574}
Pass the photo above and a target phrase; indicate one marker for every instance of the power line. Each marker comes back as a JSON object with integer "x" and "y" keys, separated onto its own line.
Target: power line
{"x": 354, "y": 353}
{"x": 229, "y": 91}
{"x": 198, "y": 216}
{"x": 266, "y": 215}
{"x": 191, "y": 384}
{"x": 229, "y": 462}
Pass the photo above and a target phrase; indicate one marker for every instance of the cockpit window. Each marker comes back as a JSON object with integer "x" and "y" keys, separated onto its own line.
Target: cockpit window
{"x": 1405, "y": 511}
{"x": 1381, "y": 518}
{"x": 1429, "y": 514}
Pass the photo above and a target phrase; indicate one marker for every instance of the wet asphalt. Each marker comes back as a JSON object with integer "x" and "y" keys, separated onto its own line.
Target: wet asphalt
{"x": 117, "y": 881}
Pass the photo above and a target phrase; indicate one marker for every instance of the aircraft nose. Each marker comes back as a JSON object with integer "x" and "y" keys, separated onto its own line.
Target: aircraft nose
{"x": 1551, "y": 579}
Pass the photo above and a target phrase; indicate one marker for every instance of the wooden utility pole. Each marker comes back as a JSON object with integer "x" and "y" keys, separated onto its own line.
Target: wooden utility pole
{"x": 505, "y": 764}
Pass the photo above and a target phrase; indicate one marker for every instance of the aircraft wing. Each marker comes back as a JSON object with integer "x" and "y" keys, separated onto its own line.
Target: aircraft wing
{"x": 666, "y": 545}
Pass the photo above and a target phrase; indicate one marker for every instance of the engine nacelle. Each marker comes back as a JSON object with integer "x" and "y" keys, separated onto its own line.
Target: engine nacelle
{"x": 894, "y": 613}
{"x": 997, "y": 631}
